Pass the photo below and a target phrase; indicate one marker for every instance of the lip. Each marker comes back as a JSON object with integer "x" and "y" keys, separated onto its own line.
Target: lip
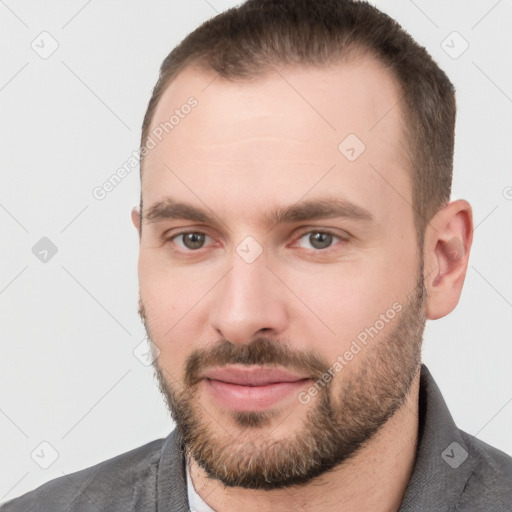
{"x": 252, "y": 376}
{"x": 252, "y": 389}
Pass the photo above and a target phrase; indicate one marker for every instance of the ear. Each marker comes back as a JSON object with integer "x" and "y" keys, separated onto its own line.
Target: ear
{"x": 136, "y": 218}
{"x": 448, "y": 240}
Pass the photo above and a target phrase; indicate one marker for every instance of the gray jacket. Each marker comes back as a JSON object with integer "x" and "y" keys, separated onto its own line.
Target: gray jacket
{"x": 454, "y": 471}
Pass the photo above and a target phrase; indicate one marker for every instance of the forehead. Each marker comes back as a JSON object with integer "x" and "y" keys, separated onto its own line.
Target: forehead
{"x": 275, "y": 136}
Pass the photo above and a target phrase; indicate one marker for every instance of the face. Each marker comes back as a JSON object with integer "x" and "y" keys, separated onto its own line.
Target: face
{"x": 280, "y": 275}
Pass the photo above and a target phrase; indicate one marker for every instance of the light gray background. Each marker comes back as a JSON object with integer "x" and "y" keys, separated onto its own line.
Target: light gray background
{"x": 69, "y": 326}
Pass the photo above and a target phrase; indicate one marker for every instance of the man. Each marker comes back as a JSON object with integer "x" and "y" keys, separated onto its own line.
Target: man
{"x": 295, "y": 234}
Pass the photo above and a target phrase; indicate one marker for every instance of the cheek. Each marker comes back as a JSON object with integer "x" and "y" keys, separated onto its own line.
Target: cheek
{"x": 171, "y": 298}
{"x": 350, "y": 298}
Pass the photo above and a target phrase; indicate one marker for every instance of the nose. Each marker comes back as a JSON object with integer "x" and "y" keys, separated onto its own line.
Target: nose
{"x": 248, "y": 303}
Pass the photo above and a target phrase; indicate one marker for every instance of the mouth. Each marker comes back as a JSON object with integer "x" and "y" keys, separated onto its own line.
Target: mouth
{"x": 252, "y": 388}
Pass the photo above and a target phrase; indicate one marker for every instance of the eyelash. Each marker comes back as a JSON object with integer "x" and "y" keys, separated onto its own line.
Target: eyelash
{"x": 299, "y": 237}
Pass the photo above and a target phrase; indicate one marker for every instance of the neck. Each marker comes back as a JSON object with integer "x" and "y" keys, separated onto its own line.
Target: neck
{"x": 374, "y": 479}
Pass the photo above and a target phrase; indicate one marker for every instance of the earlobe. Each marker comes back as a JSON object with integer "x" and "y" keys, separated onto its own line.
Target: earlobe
{"x": 447, "y": 246}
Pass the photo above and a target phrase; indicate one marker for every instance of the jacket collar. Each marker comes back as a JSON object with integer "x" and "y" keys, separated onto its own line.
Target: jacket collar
{"x": 444, "y": 461}
{"x": 172, "y": 480}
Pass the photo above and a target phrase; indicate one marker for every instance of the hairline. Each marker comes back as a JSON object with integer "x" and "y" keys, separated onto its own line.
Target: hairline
{"x": 409, "y": 153}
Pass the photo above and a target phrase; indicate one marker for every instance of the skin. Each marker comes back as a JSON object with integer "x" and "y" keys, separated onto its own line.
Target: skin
{"x": 248, "y": 148}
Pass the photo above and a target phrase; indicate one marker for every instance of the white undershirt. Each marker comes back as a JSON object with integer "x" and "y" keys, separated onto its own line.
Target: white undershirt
{"x": 196, "y": 503}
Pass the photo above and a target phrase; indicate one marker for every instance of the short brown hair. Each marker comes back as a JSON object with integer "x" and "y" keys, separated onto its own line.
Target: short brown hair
{"x": 246, "y": 41}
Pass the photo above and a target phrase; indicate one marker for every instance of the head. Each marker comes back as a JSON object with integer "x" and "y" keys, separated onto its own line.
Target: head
{"x": 296, "y": 216}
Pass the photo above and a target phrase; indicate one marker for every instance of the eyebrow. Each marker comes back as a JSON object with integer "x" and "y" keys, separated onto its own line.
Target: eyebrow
{"x": 328, "y": 208}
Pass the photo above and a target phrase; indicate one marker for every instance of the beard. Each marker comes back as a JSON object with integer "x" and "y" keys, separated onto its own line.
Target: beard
{"x": 341, "y": 419}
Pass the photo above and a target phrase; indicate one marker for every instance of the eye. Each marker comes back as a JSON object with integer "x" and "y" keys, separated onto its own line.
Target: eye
{"x": 317, "y": 240}
{"x": 190, "y": 240}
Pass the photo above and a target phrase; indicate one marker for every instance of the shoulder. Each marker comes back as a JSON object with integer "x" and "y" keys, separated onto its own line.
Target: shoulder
{"x": 111, "y": 485}
{"x": 490, "y": 483}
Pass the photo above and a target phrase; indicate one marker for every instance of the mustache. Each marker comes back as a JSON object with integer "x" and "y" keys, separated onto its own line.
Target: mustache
{"x": 260, "y": 351}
